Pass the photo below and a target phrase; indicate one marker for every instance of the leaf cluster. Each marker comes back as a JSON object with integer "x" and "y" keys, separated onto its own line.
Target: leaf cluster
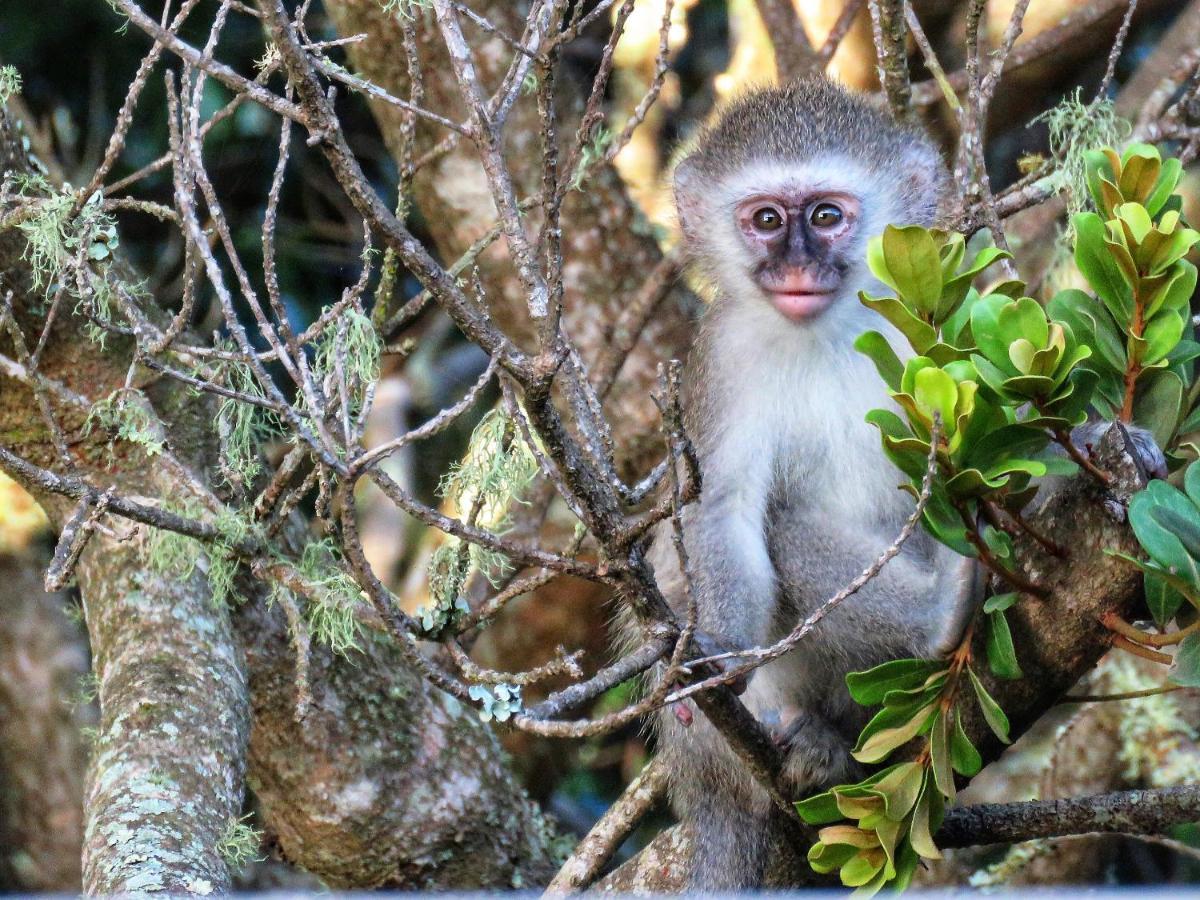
{"x": 897, "y": 810}
{"x": 993, "y": 369}
{"x": 1131, "y": 251}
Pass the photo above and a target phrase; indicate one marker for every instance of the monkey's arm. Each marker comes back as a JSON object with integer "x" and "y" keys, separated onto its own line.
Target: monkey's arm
{"x": 733, "y": 579}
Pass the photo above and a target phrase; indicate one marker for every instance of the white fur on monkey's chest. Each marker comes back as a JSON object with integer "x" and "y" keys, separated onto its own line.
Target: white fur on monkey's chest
{"x": 796, "y": 421}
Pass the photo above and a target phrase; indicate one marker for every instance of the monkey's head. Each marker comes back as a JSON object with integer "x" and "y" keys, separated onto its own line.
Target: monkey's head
{"x": 780, "y": 195}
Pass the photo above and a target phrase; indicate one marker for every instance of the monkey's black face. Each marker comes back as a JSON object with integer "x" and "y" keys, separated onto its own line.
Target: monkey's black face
{"x": 800, "y": 244}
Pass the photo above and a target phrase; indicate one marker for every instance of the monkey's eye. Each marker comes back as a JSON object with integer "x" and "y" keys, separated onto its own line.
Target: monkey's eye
{"x": 768, "y": 218}
{"x": 825, "y": 215}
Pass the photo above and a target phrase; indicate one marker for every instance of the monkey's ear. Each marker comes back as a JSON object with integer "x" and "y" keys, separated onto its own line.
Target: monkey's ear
{"x": 686, "y": 180}
{"x": 926, "y": 181}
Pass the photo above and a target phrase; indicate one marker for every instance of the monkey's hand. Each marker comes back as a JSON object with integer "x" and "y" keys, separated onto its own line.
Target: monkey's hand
{"x": 960, "y": 589}
{"x": 710, "y": 645}
{"x": 1145, "y": 450}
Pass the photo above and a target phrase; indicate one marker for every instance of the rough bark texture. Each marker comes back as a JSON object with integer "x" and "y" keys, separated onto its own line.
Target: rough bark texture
{"x": 388, "y": 781}
{"x": 43, "y": 755}
{"x": 1124, "y": 812}
{"x": 168, "y": 773}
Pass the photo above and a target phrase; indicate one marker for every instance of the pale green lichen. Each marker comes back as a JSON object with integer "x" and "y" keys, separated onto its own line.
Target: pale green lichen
{"x": 406, "y": 9}
{"x": 56, "y": 235}
{"x": 497, "y": 701}
{"x": 1157, "y": 742}
{"x": 240, "y": 844}
{"x": 494, "y": 473}
{"x": 169, "y": 553}
{"x": 1075, "y": 128}
{"x": 591, "y": 153}
{"x": 10, "y": 83}
{"x": 332, "y": 599}
{"x": 243, "y": 426}
{"x": 349, "y": 347}
{"x": 127, "y": 416}
{"x": 1015, "y": 858}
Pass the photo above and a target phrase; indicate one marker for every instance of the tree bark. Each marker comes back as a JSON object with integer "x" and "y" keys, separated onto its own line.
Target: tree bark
{"x": 384, "y": 752}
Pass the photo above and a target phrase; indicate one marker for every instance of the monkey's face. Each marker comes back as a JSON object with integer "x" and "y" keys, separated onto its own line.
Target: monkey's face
{"x": 800, "y": 245}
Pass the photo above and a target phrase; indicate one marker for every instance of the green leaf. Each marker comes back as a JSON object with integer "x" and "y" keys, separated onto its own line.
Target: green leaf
{"x": 820, "y": 809}
{"x": 1161, "y": 335}
{"x": 921, "y": 335}
{"x": 1191, "y": 483}
{"x": 882, "y": 742}
{"x": 869, "y": 688}
{"x": 1091, "y": 324}
{"x": 825, "y": 858}
{"x": 992, "y": 713}
{"x": 859, "y": 871}
{"x": 1163, "y": 546}
{"x": 1000, "y": 602}
{"x": 1168, "y": 178}
{"x": 1175, "y": 292}
{"x": 1096, "y": 262}
{"x": 927, "y": 818}
{"x": 1164, "y": 601}
{"x": 963, "y": 755}
{"x": 939, "y": 755}
{"x": 985, "y": 326}
{"x": 1002, "y": 656}
{"x": 1184, "y": 527}
{"x": 1157, "y": 404}
{"x": 935, "y": 392}
{"x": 1185, "y": 670}
{"x": 900, "y": 789}
{"x": 914, "y": 266}
{"x": 875, "y": 346}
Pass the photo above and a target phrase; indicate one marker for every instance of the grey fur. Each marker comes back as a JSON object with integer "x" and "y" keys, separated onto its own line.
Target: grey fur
{"x": 798, "y": 498}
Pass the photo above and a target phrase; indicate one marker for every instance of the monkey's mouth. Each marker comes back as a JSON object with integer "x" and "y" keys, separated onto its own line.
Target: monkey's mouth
{"x": 800, "y": 306}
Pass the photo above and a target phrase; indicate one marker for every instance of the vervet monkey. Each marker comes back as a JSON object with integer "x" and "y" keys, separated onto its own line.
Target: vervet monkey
{"x": 777, "y": 201}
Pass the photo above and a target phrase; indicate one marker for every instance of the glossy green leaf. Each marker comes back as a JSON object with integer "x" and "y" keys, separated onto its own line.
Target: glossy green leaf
{"x": 1164, "y": 547}
{"x": 914, "y": 265}
{"x": 1001, "y": 655}
{"x": 819, "y": 809}
{"x": 963, "y": 755}
{"x": 992, "y": 713}
{"x": 1164, "y": 601}
{"x": 921, "y": 335}
{"x": 1157, "y": 404}
{"x": 939, "y": 755}
{"x": 1096, "y": 262}
{"x": 882, "y": 742}
{"x": 900, "y": 789}
{"x": 876, "y": 347}
{"x": 870, "y": 687}
{"x": 927, "y": 819}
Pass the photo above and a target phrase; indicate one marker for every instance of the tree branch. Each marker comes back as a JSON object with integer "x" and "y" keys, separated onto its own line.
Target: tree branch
{"x": 1121, "y": 812}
